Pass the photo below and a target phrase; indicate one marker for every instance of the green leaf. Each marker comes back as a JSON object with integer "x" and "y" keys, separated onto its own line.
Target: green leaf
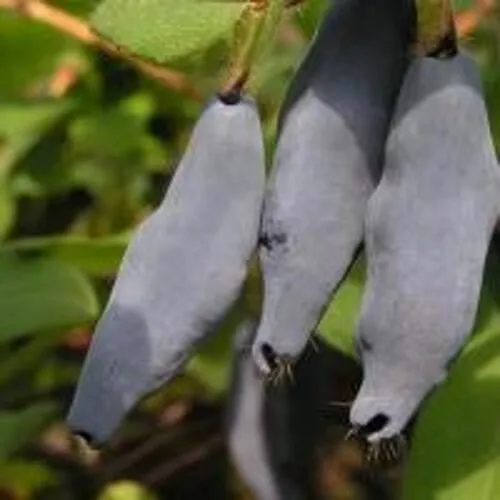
{"x": 339, "y": 322}
{"x": 18, "y": 427}
{"x": 309, "y": 15}
{"x": 98, "y": 257}
{"x": 211, "y": 365}
{"x": 79, "y": 7}
{"x": 463, "y": 4}
{"x": 166, "y": 30}
{"x": 125, "y": 490}
{"x": 7, "y": 209}
{"x": 25, "y": 478}
{"x": 21, "y": 125}
{"x": 41, "y": 294}
{"x": 26, "y": 358}
{"x": 30, "y": 53}
{"x": 116, "y": 132}
{"x": 455, "y": 451}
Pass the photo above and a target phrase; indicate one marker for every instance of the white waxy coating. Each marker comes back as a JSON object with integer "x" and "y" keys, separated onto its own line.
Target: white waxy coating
{"x": 428, "y": 229}
{"x": 183, "y": 269}
{"x": 328, "y": 160}
{"x": 248, "y": 442}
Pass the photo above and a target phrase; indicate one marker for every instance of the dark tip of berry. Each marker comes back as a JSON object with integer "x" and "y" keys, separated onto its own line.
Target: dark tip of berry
{"x": 270, "y": 356}
{"x": 376, "y": 424}
{"x": 230, "y": 98}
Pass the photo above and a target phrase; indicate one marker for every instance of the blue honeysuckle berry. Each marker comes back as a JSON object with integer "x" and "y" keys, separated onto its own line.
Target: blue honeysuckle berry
{"x": 182, "y": 271}
{"x": 333, "y": 127}
{"x": 428, "y": 229}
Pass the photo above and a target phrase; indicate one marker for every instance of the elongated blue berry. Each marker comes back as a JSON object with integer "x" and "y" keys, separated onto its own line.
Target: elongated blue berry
{"x": 249, "y": 440}
{"x": 328, "y": 160}
{"x": 428, "y": 229}
{"x": 183, "y": 270}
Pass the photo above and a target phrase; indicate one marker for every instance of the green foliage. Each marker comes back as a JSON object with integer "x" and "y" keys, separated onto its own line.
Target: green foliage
{"x": 307, "y": 16}
{"x": 29, "y": 51}
{"x": 94, "y": 256}
{"x": 212, "y": 362}
{"x": 25, "y": 478}
{"x": 175, "y": 30}
{"x": 125, "y": 490}
{"x": 462, "y": 4}
{"x": 18, "y": 427}
{"x": 45, "y": 294}
{"x": 21, "y": 127}
{"x": 339, "y": 321}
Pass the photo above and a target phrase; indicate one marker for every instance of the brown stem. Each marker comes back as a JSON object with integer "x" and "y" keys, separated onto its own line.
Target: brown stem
{"x": 468, "y": 21}
{"x": 245, "y": 33}
{"x": 79, "y": 30}
{"x": 167, "y": 470}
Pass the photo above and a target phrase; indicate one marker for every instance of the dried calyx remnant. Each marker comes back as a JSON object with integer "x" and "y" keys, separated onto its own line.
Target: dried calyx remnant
{"x": 435, "y": 31}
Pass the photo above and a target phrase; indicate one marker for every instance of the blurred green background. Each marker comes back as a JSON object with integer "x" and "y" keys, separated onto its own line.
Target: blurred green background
{"x": 88, "y": 143}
